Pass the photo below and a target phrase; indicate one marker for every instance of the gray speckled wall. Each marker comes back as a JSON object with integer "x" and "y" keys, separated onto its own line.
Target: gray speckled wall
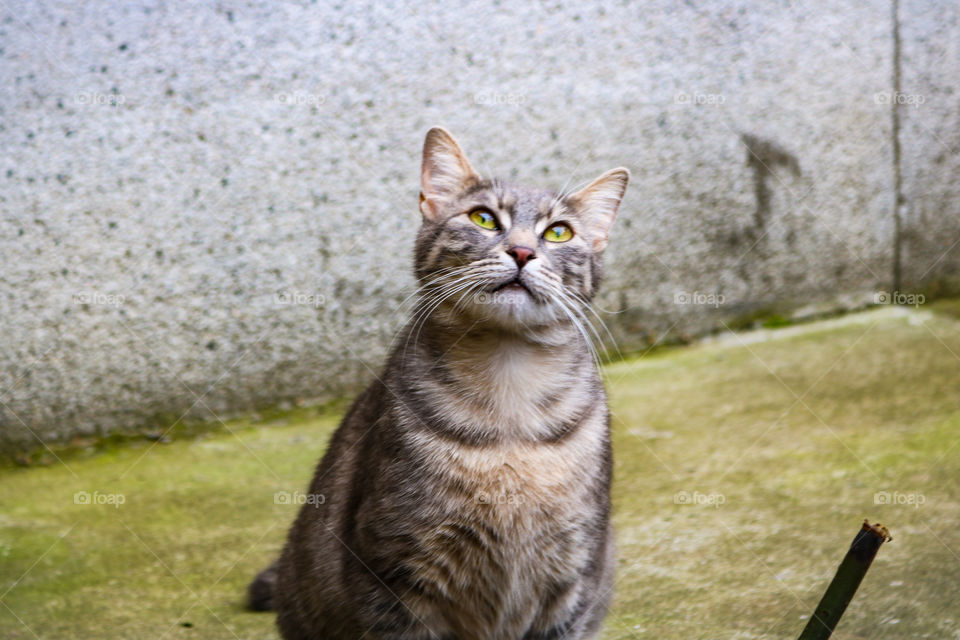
{"x": 210, "y": 207}
{"x": 930, "y": 141}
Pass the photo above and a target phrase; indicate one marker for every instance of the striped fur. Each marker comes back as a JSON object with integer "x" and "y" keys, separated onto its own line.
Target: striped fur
{"x": 467, "y": 489}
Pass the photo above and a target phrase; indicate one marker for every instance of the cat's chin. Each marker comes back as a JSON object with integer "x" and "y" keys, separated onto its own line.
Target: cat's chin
{"x": 511, "y": 307}
{"x": 511, "y": 295}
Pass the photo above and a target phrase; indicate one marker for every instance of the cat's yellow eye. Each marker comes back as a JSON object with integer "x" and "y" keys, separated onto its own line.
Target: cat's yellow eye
{"x": 484, "y": 219}
{"x": 558, "y": 233}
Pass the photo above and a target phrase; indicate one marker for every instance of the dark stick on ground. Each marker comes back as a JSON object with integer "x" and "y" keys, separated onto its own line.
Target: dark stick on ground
{"x": 844, "y": 584}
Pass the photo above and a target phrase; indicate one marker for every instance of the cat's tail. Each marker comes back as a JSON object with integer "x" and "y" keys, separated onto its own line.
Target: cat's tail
{"x": 260, "y": 591}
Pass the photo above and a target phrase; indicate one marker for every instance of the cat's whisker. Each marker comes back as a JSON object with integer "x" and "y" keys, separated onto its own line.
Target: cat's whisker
{"x": 435, "y": 277}
{"x": 569, "y": 302}
{"x": 564, "y": 300}
{"x": 437, "y": 284}
{"x": 437, "y": 303}
{"x": 434, "y": 282}
{"x": 466, "y": 296}
{"x": 555, "y": 280}
{"x": 423, "y": 310}
{"x": 563, "y": 190}
{"x": 421, "y": 287}
{"x": 426, "y": 306}
{"x": 598, "y": 340}
{"x": 571, "y": 314}
{"x": 590, "y": 307}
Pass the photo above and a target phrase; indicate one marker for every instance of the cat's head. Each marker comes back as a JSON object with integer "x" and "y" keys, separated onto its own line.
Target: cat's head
{"x": 512, "y": 256}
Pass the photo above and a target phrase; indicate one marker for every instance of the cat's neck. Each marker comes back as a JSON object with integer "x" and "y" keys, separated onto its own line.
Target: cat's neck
{"x": 486, "y": 353}
{"x": 516, "y": 384}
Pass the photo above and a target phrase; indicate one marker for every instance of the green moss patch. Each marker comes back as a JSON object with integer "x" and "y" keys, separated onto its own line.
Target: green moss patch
{"x": 744, "y": 467}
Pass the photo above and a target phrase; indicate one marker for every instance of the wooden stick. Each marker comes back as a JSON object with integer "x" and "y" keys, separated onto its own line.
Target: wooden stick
{"x": 838, "y": 595}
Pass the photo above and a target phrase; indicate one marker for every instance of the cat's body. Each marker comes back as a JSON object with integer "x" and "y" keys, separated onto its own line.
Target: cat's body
{"x": 466, "y": 492}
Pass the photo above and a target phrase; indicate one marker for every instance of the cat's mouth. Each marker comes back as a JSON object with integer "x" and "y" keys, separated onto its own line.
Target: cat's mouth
{"x": 513, "y": 285}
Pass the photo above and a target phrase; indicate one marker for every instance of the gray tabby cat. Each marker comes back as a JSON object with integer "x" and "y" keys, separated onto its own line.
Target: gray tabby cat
{"x": 467, "y": 490}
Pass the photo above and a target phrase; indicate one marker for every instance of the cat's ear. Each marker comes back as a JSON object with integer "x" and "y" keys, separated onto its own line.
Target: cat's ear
{"x": 597, "y": 204}
{"x": 444, "y": 172}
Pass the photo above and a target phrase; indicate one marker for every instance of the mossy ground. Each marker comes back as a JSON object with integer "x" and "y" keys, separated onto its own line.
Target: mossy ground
{"x": 744, "y": 467}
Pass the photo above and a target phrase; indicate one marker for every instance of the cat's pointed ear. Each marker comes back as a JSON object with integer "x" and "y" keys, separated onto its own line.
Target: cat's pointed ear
{"x": 444, "y": 172}
{"x": 597, "y": 204}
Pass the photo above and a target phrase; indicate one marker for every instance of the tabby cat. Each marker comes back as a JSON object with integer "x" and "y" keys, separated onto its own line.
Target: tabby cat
{"x": 466, "y": 494}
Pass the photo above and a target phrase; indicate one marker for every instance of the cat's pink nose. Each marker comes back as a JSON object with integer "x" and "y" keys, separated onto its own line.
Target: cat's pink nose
{"x": 522, "y": 255}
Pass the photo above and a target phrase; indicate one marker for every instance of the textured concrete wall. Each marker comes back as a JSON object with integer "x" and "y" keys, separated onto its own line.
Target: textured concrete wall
{"x": 929, "y": 108}
{"x": 207, "y": 208}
